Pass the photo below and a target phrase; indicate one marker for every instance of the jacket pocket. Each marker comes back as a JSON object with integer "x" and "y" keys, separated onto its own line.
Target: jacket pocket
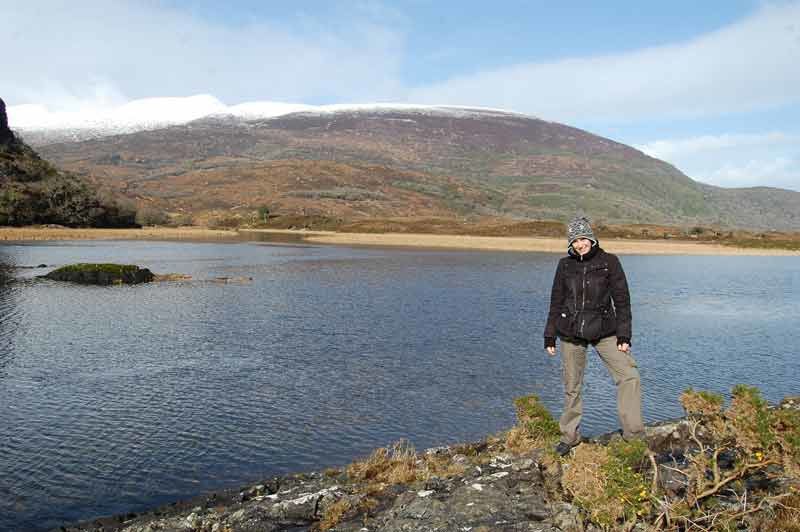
{"x": 565, "y": 324}
{"x": 590, "y": 324}
{"x": 609, "y": 322}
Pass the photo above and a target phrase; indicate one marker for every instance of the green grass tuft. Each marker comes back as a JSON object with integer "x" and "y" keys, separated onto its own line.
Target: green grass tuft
{"x": 86, "y": 267}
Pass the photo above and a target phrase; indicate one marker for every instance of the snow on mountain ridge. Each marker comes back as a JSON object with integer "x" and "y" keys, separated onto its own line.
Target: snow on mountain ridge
{"x": 154, "y": 113}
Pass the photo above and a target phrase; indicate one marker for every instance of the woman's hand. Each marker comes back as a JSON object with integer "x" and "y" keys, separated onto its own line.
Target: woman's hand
{"x": 551, "y": 351}
{"x": 624, "y": 347}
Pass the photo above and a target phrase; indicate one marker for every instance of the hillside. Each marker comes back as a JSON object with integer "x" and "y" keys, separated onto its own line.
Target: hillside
{"x": 33, "y": 191}
{"x": 433, "y": 162}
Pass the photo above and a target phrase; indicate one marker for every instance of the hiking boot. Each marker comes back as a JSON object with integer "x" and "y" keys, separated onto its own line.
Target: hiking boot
{"x": 562, "y": 449}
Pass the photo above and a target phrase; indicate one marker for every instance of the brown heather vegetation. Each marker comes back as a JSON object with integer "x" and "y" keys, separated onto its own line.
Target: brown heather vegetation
{"x": 32, "y": 191}
{"x": 363, "y": 165}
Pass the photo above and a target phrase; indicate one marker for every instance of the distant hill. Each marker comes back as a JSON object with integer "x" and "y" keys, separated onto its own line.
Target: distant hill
{"x": 385, "y": 162}
{"x": 33, "y": 191}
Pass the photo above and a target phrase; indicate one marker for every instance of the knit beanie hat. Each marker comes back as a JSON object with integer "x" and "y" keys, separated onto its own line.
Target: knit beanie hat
{"x": 579, "y": 228}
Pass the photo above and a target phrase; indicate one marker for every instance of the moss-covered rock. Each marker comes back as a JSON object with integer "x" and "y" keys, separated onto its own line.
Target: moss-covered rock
{"x": 102, "y": 274}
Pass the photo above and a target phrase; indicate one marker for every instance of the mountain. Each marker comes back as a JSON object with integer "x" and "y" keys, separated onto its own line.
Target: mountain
{"x": 389, "y": 161}
{"x": 33, "y": 191}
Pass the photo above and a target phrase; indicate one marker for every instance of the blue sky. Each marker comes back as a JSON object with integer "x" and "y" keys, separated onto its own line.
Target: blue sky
{"x": 712, "y": 87}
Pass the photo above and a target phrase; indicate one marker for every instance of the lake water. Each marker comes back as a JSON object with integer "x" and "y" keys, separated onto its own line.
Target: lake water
{"x": 117, "y": 399}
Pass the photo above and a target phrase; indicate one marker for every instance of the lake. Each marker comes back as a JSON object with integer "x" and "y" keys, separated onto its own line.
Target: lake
{"x": 116, "y": 399}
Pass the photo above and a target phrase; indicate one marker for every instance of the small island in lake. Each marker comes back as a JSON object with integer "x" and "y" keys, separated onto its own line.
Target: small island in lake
{"x": 101, "y": 274}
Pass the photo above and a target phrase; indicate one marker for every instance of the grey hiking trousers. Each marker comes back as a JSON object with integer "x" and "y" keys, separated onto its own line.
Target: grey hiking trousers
{"x": 623, "y": 370}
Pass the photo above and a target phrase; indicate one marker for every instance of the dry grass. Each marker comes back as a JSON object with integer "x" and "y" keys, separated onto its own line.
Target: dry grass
{"x": 333, "y": 514}
{"x": 518, "y": 441}
{"x": 585, "y": 480}
{"x": 602, "y": 481}
{"x": 536, "y": 428}
{"x": 442, "y": 467}
{"x": 399, "y": 464}
{"x": 331, "y": 472}
{"x": 367, "y": 505}
{"x": 785, "y": 518}
{"x": 393, "y": 465}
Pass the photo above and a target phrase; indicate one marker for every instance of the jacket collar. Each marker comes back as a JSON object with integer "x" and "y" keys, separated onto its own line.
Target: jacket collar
{"x": 584, "y": 258}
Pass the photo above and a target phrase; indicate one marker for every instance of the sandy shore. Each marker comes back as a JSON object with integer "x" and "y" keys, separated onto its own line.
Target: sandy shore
{"x": 551, "y": 245}
{"x": 148, "y": 233}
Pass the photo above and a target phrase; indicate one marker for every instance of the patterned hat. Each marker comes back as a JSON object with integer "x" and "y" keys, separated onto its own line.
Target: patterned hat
{"x": 579, "y": 228}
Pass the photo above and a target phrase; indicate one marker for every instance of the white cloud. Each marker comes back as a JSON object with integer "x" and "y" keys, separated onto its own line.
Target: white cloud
{"x": 668, "y": 149}
{"x": 93, "y": 54}
{"x": 780, "y": 172}
{"x": 735, "y": 160}
{"x": 746, "y": 66}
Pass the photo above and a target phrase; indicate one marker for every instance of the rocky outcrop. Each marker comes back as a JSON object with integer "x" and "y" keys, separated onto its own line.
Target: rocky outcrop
{"x": 102, "y": 274}
{"x": 506, "y": 493}
{"x": 479, "y": 487}
{"x": 6, "y": 135}
{"x": 495, "y": 491}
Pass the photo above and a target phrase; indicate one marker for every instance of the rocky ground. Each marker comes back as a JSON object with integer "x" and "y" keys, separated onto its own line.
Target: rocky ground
{"x": 507, "y": 493}
{"x": 492, "y": 485}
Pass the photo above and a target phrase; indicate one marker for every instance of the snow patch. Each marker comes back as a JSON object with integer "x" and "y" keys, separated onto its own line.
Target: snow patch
{"x": 156, "y": 113}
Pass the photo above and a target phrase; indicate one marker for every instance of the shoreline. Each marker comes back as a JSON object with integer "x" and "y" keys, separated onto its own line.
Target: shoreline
{"x": 399, "y": 240}
{"x": 504, "y": 482}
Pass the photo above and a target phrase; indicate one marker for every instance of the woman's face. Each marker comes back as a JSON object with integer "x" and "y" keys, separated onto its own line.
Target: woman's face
{"x": 582, "y": 246}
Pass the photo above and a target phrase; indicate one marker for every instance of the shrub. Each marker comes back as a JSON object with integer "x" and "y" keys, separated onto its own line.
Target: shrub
{"x": 601, "y": 481}
{"x": 750, "y": 419}
{"x": 151, "y": 216}
{"x": 610, "y": 483}
{"x": 263, "y": 214}
{"x": 225, "y": 222}
{"x": 180, "y": 220}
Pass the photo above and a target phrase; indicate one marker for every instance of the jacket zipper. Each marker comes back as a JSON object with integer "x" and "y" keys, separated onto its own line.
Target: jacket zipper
{"x": 583, "y": 301}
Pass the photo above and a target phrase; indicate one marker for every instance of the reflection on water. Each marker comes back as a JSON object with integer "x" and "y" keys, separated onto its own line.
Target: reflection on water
{"x": 115, "y": 399}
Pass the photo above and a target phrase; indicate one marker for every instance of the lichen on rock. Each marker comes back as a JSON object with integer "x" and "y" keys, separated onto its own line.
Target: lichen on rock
{"x": 101, "y": 274}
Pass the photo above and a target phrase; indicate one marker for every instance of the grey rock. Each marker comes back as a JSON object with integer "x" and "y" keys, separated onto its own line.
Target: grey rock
{"x": 434, "y": 451}
{"x": 459, "y": 459}
{"x": 792, "y": 401}
{"x": 193, "y": 520}
{"x": 567, "y": 518}
{"x": 302, "y": 508}
{"x": 522, "y": 464}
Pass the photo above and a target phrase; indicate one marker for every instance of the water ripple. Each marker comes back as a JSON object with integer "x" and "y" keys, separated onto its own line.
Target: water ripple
{"x": 117, "y": 399}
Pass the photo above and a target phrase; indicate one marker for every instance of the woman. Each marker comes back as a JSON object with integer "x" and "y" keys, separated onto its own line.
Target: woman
{"x": 590, "y": 304}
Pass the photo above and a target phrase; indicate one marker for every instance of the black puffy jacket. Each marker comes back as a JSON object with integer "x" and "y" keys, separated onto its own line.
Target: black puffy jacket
{"x": 589, "y": 300}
